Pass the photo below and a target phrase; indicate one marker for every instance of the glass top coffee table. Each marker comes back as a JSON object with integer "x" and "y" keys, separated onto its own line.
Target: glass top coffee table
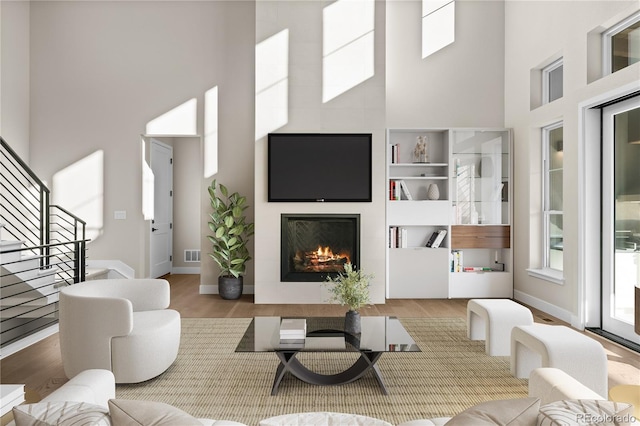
{"x": 379, "y": 334}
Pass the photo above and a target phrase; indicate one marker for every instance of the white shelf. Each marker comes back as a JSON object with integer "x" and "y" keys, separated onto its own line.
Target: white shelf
{"x": 481, "y": 284}
{"x": 421, "y": 212}
{"x": 471, "y": 169}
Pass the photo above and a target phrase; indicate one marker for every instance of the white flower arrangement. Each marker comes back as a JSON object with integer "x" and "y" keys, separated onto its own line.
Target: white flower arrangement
{"x": 420, "y": 151}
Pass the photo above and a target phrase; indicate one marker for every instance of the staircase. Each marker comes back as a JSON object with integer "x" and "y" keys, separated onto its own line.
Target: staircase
{"x": 42, "y": 249}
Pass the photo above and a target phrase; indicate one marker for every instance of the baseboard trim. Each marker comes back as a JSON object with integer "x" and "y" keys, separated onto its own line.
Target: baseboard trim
{"x": 190, "y": 270}
{"x": 544, "y": 306}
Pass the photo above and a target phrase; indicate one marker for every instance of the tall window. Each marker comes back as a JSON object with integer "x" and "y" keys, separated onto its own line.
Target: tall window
{"x": 552, "y": 81}
{"x": 552, "y": 202}
{"x": 622, "y": 44}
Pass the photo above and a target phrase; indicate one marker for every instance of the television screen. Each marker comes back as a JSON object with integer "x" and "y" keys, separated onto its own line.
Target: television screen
{"x": 319, "y": 167}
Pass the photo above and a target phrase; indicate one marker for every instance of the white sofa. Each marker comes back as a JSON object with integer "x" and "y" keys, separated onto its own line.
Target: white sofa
{"x": 97, "y": 388}
{"x": 121, "y": 325}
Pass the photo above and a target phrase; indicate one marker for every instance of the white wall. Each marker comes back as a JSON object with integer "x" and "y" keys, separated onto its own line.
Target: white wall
{"x": 359, "y": 109}
{"x": 100, "y": 71}
{"x": 535, "y": 34}
{"x": 14, "y": 75}
{"x": 461, "y": 85}
{"x": 187, "y": 179}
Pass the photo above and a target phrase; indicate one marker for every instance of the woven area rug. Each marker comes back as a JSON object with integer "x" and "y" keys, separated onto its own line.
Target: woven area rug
{"x": 210, "y": 380}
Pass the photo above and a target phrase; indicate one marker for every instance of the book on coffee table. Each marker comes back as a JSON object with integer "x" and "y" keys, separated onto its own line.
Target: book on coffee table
{"x": 293, "y": 329}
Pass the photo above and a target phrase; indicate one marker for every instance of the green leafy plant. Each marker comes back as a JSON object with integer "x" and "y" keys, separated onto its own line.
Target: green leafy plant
{"x": 350, "y": 288}
{"x": 231, "y": 231}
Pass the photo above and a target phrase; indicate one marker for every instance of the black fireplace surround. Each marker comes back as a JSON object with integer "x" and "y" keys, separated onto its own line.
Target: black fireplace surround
{"x": 314, "y": 246}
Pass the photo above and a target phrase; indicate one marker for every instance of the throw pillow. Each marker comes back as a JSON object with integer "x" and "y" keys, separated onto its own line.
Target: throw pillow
{"x": 61, "y": 414}
{"x": 580, "y": 412}
{"x": 127, "y": 412}
{"x": 512, "y": 412}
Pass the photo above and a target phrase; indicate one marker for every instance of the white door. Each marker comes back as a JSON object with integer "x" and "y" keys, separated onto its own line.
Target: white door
{"x": 620, "y": 216}
{"x": 161, "y": 245}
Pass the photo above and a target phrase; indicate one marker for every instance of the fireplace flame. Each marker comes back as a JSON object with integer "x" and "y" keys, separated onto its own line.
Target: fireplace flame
{"x": 323, "y": 259}
{"x": 325, "y": 254}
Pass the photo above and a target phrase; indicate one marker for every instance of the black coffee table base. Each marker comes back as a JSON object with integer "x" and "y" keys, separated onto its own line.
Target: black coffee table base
{"x": 289, "y": 363}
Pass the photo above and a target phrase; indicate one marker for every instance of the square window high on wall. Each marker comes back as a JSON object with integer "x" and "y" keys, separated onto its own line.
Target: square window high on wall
{"x": 552, "y": 81}
{"x": 621, "y": 44}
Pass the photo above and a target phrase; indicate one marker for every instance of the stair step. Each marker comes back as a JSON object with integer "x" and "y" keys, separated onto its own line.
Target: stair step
{"x": 32, "y": 278}
{"x": 29, "y": 311}
{"x": 27, "y": 263}
{"x": 5, "y": 246}
{"x": 96, "y": 274}
{"x": 29, "y": 300}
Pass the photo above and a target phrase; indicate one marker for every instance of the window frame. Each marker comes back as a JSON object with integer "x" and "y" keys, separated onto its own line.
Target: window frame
{"x": 546, "y": 75}
{"x": 547, "y": 213}
{"x": 607, "y": 37}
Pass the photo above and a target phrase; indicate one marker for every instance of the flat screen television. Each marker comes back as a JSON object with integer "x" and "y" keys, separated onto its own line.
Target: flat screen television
{"x": 319, "y": 167}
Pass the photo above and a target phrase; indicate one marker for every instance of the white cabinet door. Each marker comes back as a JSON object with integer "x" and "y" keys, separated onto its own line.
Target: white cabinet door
{"x": 417, "y": 273}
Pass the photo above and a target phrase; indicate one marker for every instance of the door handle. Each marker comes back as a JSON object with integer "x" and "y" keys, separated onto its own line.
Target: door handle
{"x": 154, "y": 229}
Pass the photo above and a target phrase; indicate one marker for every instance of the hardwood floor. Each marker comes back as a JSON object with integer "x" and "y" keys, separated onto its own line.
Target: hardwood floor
{"x": 39, "y": 366}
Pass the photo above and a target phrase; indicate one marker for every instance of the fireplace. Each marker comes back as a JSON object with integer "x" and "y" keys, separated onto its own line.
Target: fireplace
{"x": 314, "y": 246}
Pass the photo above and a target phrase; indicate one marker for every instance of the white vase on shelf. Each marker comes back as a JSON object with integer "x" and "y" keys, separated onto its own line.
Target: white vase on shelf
{"x": 433, "y": 193}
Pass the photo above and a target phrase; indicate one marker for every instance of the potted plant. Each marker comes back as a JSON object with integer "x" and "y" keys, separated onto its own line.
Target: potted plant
{"x": 350, "y": 288}
{"x": 231, "y": 233}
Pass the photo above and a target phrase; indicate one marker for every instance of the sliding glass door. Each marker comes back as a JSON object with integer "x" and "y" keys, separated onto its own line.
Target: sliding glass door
{"x": 620, "y": 216}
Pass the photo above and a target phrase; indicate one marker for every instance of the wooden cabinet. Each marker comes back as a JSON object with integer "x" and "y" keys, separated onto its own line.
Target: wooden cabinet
{"x": 480, "y": 236}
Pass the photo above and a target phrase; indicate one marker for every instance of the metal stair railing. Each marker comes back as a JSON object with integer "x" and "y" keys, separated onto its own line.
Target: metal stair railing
{"x": 52, "y": 253}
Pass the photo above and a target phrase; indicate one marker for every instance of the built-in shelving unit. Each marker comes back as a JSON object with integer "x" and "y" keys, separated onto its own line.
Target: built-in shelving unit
{"x": 460, "y": 186}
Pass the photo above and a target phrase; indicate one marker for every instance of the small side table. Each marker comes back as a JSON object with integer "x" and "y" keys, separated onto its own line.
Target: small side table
{"x": 629, "y": 394}
{"x": 21, "y": 395}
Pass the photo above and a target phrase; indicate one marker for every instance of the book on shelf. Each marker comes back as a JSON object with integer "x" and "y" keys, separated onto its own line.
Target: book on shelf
{"x": 405, "y": 190}
{"x": 394, "y": 190}
{"x": 399, "y": 190}
{"x": 395, "y": 152}
{"x": 432, "y": 238}
{"x": 476, "y": 268}
{"x": 457, "y": 261}
{"x": 436, "y": 238}
{"x": 398, "y": 237}
{"x": 439, "y": 239}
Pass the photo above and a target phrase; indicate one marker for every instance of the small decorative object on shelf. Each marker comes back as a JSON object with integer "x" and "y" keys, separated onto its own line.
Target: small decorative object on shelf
{"x": 433, "y": 192}
{"x": 420, "y": 151}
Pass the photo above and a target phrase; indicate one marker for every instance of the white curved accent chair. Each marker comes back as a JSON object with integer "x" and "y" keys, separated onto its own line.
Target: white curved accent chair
{"x": 121, "y": 325}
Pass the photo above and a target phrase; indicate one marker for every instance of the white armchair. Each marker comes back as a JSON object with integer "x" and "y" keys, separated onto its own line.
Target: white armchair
{"x": 119, "y": 325}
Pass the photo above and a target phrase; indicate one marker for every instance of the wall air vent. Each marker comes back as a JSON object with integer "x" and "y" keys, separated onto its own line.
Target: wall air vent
{"x": 192, "y": 255}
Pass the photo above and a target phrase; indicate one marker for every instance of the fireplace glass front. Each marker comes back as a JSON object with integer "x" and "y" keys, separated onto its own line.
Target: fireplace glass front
{"x": 314, "y": 246}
